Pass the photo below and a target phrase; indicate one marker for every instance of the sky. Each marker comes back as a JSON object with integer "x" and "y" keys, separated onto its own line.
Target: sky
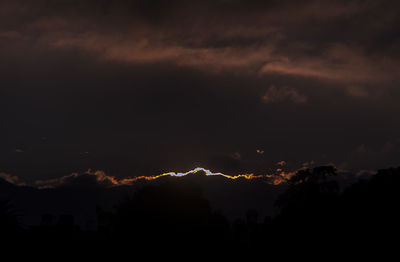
{"x": 144, "y": 87}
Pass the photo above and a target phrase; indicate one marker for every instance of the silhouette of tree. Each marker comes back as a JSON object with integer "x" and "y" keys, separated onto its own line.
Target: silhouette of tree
{"x": 163, "y": 212}
{"x": 313, "y": 213}
{"x": 8, "y": 219}
{"x": 313, "y": 208}
{"x": 309, "y": 205}
{"x": 306, "y": 186}
{"x": 371, "y": 207}
{"x": 218, "y": 230}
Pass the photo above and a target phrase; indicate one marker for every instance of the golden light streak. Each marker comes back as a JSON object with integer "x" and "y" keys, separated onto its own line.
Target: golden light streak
{"x": 274, "y": 179}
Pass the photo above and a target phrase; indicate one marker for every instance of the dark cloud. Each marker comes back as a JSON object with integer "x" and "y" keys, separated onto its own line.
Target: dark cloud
{"x": 10, "y": 178}
{"x": 275, "y": 95}
{"x": 146, "y": 87}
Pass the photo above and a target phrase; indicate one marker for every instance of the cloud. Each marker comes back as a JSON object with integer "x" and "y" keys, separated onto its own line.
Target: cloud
{"x": 362, "y": 149}
{"x": 339, "y": 63}
{"x": 149, "y": 50}
{"x": 86, "y": 179}
{"x": 336, "y": 62}
{"x": 281, "y": 163}
{"x": 10, "y": 178}
{"x": 356, "y": 91}
{"x": 388, "y": 147}
{"x": 94, "y": 179}
{"x": 129, "y": 74}
{"x": 308, "y": 164}
{"x": 276, "y": 95}
{"x": 262, "y": 39}
{"x": 10, "y": 35}
{"x": 236, "y": 156}
{"x": 365, "y": 172}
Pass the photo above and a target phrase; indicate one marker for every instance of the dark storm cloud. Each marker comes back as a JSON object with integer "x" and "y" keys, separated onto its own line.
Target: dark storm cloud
{"x": 144, "y": 87}
{"x": 291, "y": 38}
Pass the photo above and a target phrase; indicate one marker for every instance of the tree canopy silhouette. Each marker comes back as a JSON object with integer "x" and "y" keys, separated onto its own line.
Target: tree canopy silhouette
{"x": 167, "y": 211}
{"x": 310, "y": 203}
{"x": 372, "y": 206}
{"x": 308, "y": 188}
{"x": 8, "y": 219}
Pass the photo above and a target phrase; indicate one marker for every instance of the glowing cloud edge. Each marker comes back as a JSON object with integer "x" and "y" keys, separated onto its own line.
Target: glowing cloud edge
{"x": 275, "y": 179}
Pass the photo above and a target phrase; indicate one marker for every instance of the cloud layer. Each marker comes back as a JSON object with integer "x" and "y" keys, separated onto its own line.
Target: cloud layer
{"x": 230, "y": 85}
{"x": 253, "y": 37}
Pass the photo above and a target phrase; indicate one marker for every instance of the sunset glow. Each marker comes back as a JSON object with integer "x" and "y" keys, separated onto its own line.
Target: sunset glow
{"x": 274, "y": 179}
{"x": 224, "y": 125}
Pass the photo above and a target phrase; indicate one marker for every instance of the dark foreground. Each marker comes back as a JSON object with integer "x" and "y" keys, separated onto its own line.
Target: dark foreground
{"x": 314, "y": 213}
